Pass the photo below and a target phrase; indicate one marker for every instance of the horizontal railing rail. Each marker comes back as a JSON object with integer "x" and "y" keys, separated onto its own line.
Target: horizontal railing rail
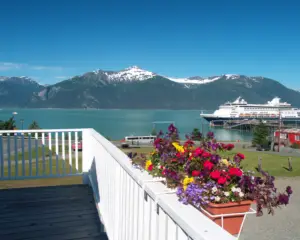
{"x": 42, "y": 153}
{"x": 135, "y": 206}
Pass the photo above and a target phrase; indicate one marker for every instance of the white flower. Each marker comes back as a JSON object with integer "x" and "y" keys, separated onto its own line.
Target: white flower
{"x": 233, "y": 189}
{"x": 238, "y": 190}
{"x": 214, "y": 189}
{"x": 226, "y": 194}
{"x": 241, "y": 194}
{"x": 217, "y": 198}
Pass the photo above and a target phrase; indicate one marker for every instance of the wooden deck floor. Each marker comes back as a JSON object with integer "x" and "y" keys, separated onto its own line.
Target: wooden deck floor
{"x": 49, "y": 213}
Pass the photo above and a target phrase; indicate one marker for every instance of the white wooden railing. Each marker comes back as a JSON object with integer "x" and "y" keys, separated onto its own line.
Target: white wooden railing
{"x": 132, "y": 205}
{"x": 40, "y": 153}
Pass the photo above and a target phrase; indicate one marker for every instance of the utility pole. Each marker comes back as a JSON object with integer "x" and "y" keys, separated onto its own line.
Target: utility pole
{"x": 279, "y": 128}
{"x": 22, "y": 121}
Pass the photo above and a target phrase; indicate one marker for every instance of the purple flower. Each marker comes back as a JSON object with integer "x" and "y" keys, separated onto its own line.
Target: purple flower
{"x": 289, "y": 190}
{"x": 283, "y": 199}
{"x": 172, "y": 128}
{"x": 215, "y": 159}
{"x": 210, "y": 135}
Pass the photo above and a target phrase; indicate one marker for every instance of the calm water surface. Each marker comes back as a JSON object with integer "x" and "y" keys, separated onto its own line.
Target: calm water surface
{"x": 119, "y": 123}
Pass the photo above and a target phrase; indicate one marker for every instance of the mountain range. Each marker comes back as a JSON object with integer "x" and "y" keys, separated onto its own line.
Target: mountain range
{"x": 135, "y": 88}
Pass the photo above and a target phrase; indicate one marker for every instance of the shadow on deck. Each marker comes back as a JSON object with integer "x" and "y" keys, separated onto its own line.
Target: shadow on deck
{"x": 49, "y": 213}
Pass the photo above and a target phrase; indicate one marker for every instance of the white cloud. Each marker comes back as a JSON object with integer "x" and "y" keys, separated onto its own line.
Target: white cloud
{"x": 6, "y": 66}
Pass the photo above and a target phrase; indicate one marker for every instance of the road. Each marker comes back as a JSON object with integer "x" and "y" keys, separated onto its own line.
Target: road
{"x": 284, "y": 225}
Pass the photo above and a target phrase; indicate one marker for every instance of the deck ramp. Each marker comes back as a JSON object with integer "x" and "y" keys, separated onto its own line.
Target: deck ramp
{"x": 49, "y": 213}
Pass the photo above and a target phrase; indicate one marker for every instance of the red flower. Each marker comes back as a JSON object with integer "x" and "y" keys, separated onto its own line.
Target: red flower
{"x": 178, "y": 155}
{"x": 188, "y": 143}
{"x": 196, "y": 173}
{"x": 222, "y": 180}
{"x": 208, "y": 165}
{"x": 161, "y": 167}
{"x": 241, "y": 156}
{"x": 174, "y": 160}
{"x": 197, "y": 152}
{"x": 150, "y": 168}
{"x": 235, "y": 172}
{"x": 230, "y": 146}
{"x": 215, "y": 174}
{"x": 206, "y": 154}
{"x": 164, "y": 172}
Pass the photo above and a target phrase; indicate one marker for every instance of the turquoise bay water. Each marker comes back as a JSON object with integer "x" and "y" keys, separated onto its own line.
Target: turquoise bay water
{"x": 119, "y": 123}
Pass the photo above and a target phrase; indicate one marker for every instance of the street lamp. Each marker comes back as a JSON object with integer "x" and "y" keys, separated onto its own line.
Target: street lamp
{"x": 22, "y": 121}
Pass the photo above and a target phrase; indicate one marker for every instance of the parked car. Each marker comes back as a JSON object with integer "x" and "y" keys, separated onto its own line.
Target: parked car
{"x": 79, "y": 146}
{"x": 263, "y": 148}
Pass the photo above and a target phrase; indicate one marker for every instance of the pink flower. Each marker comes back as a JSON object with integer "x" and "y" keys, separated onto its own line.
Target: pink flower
{"x": 241, "y": 156}
{"x": 215, "y": 174}
{"x": 208, "y": 165}
{"x": 206, "y": 154}
{"x": 222, "y": 180}
{"x": 197, "y": 152}
{"x": 150, "y": 168}
{"x": 235, "y": 172}
{"x": 196, "y": 173}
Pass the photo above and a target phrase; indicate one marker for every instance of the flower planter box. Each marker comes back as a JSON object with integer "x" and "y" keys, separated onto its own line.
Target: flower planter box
{"x": 231, "y": 224}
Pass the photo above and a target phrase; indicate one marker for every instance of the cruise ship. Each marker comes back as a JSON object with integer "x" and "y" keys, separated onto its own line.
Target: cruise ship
{"x": 241, "y": 110}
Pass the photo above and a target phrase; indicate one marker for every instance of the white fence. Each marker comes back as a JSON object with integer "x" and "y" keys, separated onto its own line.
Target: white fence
{"x": 40, "y": 153}
{"x": 135, "y": 207}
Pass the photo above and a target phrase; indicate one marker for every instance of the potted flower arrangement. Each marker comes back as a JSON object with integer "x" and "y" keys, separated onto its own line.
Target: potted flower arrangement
{"x": 207, "y": 178}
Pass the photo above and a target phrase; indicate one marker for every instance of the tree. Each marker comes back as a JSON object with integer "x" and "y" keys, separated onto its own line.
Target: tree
{"x": 10, "y": 124}
{"x": 196, "y": 135}
{"x": 260, "y": 134}
{"x": 153, "y": 132}
{"x": 34, "y": 125}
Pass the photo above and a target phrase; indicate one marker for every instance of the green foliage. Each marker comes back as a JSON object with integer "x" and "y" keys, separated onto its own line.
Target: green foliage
{"x": 34, "y": 125}
{"x": 196, "y": 135}
{"x": 260, "y": 134}
{"x": 153, "y": 132}
{"x": 10, "y": 124}
{"x": 295, "y": 146}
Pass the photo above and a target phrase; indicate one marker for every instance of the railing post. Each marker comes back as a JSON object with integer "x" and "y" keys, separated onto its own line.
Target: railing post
{"x": 87, "y": 155}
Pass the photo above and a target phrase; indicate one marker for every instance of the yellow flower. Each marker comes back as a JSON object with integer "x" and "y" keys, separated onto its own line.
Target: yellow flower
{"x": 187, "y": 181}
{"x": 148, "y": 163}
{"x": 154, "y": 152}
{"x": 178, "y": 147}
{"x": 225, "y": 161}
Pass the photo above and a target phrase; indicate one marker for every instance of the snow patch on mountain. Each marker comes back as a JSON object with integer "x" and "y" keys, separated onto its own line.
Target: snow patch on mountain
{"x": 130, "y": 74}
{"x": 22, "y": 79}
{"x": 231, "y": 76}
{"x": 193, "y": 80}
{"x": 3, "y": 78}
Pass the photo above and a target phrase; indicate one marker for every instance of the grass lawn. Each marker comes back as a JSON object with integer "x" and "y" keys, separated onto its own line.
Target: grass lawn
{"x": 39, "y": 152}
{"x": 45, "y": 168}
{"x": 275, "y": 164}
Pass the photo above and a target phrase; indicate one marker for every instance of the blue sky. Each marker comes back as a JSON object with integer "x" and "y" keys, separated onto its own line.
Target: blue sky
{"x": 52, "y": 40}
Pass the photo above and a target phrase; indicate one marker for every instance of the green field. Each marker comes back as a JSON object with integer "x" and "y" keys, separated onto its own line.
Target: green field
{"x": 275, "y": 164}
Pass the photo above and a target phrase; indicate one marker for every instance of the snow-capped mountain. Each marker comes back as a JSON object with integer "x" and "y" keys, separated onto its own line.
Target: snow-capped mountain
{"x": 130, "y": 74}
{"x": 22, "y": 79}
{"x": 194, "y": 80}
{"x": 134, "y": 87}
{"x": 135, "y": 73}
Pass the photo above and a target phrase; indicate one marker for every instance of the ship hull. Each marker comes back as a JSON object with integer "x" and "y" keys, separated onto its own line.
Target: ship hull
{"x": 221, "y": 120}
